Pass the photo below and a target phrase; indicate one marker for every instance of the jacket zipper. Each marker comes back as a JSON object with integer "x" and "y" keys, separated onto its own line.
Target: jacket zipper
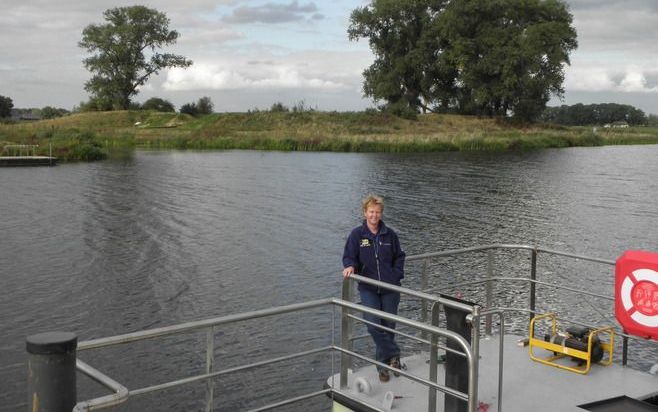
{"x": 379, "y": 276}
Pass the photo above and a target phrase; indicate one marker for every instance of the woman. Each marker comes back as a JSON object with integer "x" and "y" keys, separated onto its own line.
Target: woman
{"x": 373, "y": 250}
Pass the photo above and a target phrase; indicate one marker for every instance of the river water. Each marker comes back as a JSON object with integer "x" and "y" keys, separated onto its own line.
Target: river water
{"x": 157, "y": 238}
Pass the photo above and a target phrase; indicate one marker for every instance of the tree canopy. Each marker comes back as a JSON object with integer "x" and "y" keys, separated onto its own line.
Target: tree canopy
{"x": 127, "y": 52}
{"x": 489, "y": 57}
{"x": 6, "y": 104}
{"x": 202, "y": 106}
{"x": 158, "y": 104}
{"x": 594, "y": 114}
{"x": 205, "y": 105}
{"x": 190, "y": 108}
{"x": 50, "y": 112}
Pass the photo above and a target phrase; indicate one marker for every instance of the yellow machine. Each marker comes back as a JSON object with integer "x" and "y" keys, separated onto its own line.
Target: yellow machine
{"x": 580, "y": 344}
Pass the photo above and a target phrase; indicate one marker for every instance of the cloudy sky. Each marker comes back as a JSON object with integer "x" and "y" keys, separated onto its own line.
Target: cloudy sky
{"x": 251, "y": 53}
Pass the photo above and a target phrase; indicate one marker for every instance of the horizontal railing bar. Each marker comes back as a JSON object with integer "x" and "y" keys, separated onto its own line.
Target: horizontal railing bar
{"x": 444, "y": 389}
{"x": 519, "y": 279}
{"x": 119, "y": 396}
{"x": 205, "y": 376}
{"x": 582, "y": 292}
{"x": 406, "y": 335}
{"x": 445, "y": 253}
{"x": 168, "y": 330}
{"x": 291, "y": 400}
{"x": 536, "y": 312}
{"x": 98, "y": 376}
{"x": 411, "y": 292}
{"x": 575, "y": 322}
{"x": 452, "y": 252}
{"x": 387, "y": 329}
{"x": 408, "y": 322}
{"x": 577, "y": 256}
{"x": 188, "y": 326}
{"x": 359, "y": 337}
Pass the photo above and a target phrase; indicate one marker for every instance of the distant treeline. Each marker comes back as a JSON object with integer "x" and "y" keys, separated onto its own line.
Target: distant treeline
{"x": 594, "y": 114}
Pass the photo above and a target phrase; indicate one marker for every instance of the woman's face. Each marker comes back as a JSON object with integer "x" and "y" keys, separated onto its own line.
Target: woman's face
{"x": 373, "y": 215}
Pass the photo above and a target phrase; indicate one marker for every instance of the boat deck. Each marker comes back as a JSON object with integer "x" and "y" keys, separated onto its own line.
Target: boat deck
{"x": 527, "y": 385}
{"x": 11, "y": 161}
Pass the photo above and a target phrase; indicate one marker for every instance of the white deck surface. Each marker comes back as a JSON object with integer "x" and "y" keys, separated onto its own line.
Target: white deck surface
{"x": 527, "y": 385}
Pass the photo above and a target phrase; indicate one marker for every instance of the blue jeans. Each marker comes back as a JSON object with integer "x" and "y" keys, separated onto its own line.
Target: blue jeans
{"x": 386, "y": 348}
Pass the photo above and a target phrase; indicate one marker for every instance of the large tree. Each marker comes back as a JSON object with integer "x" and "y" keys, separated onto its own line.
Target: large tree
{"x": 399, "y": 33}
{"x": 510, "y": 53}
{"x": 126, "y": 52}
{"x": 493, "y": 57}
{"x": 6, "y": 104}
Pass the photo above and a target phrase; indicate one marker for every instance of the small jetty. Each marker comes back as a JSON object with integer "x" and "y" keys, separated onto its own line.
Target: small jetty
{"x": 24, "y": 155}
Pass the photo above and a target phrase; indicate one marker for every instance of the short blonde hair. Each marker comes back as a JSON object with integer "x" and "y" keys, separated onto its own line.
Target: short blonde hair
{"x": 372, "y": 200}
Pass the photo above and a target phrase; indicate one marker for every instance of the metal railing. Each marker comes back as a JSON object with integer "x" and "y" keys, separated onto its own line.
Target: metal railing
{"x": 531, "y": 310}
{"x": 430, "y": 304}
{"x": 120, "y": 393}
{"x": 21, "y": 149}
{"x": 437, "y": 302}
{"x": 534, "y": 252}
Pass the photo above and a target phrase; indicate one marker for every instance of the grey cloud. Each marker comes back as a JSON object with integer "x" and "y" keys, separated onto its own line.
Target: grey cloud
{"x": 616, "y": 26}
{"x": 261, "y": 63}
{"x": 652, "y": 79}
{"x": 585, "y": 5}
{"x": 272, "y": 13}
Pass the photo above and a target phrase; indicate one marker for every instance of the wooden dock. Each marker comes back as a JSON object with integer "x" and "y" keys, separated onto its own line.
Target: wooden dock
{"x": 16, "y": 161}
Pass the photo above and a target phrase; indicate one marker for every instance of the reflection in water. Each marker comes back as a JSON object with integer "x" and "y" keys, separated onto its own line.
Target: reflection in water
{"x": 165, "y": 237}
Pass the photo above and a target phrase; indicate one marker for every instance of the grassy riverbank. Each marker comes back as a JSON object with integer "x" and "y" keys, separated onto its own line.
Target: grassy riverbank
{"x": 89, "y": 136}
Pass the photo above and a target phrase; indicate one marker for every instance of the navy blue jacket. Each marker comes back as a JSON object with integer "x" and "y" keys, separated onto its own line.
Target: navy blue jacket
{"x": 378, "y": 257}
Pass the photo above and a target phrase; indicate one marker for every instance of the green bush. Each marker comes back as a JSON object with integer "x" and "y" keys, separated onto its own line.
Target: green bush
{"x": 88, "y": 152}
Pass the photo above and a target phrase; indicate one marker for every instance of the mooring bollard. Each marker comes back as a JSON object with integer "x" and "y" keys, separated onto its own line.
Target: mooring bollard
{"x": 51, "y": 371}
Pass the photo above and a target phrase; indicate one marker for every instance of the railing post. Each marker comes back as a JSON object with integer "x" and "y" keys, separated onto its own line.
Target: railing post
{"x": 51, "y": 371}
{"x": 475, "y": 365}
{"x": 345, "y": 334}
{"x": 489, "y": 291}
{"x": 423, "y": 304}
{"x": 533, "y": 278}
{"x": 210, "y": 361}
{"x": 501, "y": 352}
{"x": 434, "y": 358}
{"x": 624, "y": 350}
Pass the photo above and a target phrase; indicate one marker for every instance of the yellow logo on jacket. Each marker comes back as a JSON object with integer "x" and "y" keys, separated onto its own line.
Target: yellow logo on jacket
{"x": 365, "y": 242}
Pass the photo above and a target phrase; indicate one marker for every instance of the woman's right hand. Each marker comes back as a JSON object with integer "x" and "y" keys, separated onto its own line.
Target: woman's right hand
{"x": 348, "y": 271}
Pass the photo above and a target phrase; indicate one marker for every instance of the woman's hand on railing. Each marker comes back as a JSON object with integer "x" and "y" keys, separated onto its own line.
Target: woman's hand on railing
{"x": 348, "y": 271}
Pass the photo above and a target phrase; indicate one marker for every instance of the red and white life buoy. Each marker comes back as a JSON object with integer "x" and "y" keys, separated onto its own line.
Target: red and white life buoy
{"x": 639, "y": 295}
{"x": 636, "y": 290}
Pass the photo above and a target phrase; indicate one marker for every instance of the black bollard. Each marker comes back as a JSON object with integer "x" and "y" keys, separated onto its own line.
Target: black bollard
{"x": 51, "y": 371}
{"x": 456, "y": 366}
